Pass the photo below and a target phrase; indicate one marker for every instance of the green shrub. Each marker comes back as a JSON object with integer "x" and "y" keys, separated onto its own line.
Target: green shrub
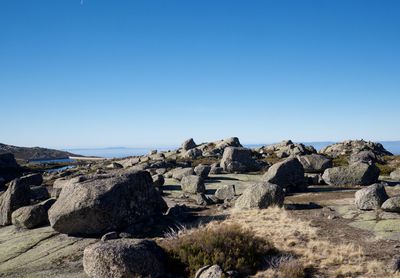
{"x": 229, "y": 246}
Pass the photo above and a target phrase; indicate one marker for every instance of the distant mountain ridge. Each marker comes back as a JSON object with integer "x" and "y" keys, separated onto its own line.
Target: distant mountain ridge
{"x": 35, "y": 153}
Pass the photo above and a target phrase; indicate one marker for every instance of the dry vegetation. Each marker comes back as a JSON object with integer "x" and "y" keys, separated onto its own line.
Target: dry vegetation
{"x": 298, "y": 237}
{"x": 229, "y": 245}
{"x": 300, "y": 251}
{"x": 391, "y": 163}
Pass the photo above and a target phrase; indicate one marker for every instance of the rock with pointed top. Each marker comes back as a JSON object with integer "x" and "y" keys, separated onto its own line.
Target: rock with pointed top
{"x": 288, "y": 174}
{"x": 188, "y": 144}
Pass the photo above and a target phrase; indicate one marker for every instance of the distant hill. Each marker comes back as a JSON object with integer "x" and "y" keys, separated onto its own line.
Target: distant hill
{"x": 35, "y": 153}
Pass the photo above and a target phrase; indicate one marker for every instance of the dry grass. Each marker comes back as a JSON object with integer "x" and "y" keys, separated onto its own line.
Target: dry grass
{"x": 298, "y": 237}
{"x": 390, "y": 164}
{"x": 341, "y": 160}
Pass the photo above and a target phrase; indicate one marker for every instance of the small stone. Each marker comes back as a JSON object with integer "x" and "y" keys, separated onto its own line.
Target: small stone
{"x": 109, "y": 236}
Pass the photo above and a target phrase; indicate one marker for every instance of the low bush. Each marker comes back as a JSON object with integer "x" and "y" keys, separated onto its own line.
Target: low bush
{"x": 228, "y": 245}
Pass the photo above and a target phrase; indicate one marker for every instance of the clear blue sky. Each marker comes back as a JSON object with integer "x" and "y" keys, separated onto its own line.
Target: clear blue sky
{"x": 151, "y": 73}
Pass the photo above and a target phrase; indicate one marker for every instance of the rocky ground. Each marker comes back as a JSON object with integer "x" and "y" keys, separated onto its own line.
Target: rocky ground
{"x": 336, "y": 219}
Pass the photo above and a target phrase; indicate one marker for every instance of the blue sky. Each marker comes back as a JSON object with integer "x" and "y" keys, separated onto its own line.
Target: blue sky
{"x": 152, "y": 73}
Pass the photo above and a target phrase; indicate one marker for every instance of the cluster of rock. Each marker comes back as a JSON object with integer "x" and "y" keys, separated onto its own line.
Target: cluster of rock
{"x": 374, "y": 197}
{"x": 118, "y": 198}
{"x": 285, "y": 149}
{"x": 352, "y": 147}
{"x": 25, "y": 202}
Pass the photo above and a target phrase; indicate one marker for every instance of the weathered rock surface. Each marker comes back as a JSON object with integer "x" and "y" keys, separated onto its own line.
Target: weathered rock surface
{"x": 226, "y": 192}
{"x": 237, "y": 159}
{"x": 354, "y": 146}
{"x": 114, "y": 165}
{"x": 202, "y": 170}
{"x": 33, "y": 216}
{"x": 288, "y": 174}
{"x": 179, "y": 173}
{"x": 364, "y": 156}
{"x": 286, "y": 148}
{"x": 261, "y": 195}
{"x": 315, "y": 163}
{"x": 188, "y": 144}
{"x": 193, "y": 184}
{"x": 60, "y": 183}
{"x": 214, "y": 271}
{"x": 392, "y": 204}
{"x": 395, "y": 175}
{"x": 192, "y": 153}
{"x": 217, "y": 148}
{"x": 354, "y": 174}
{"x": 216, "y": 169}
{"x": 104, "y": 203}
{"x": 371, "y": 197}
{"x": 41, "y": 252}
{"x": 124, "y": 258}
{"x": 17, "y": 195}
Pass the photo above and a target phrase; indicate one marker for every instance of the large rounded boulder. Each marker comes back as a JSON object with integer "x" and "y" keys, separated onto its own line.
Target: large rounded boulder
{"x": 260, "y": 196}
{"x": 124, "y": 258}
{"x": 353, "y": 174}
{"x": 371, "y": 197}
{"x": 104, "y": 203}
{"x": 193, "y": 184}
{"x": 395, "y": 175}
{"x": 237, "y": 159}
{"x": 315, "y": 163}
{"x": 392, "y": 204}
{"x": 33, "y": 216}
{"x": 288, "y": 174}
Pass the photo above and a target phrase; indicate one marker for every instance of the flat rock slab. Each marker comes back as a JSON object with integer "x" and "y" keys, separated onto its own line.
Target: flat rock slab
{"x": 384, "y": 225}
{"x": 40, "y": 253}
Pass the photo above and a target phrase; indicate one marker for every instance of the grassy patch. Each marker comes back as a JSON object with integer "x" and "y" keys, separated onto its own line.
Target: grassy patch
{"x": 341, "y": 160}
{"x": 386, "y": 169}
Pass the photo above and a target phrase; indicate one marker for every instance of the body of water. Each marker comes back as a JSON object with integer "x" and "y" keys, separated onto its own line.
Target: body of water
{"x": 391, "y": 146}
